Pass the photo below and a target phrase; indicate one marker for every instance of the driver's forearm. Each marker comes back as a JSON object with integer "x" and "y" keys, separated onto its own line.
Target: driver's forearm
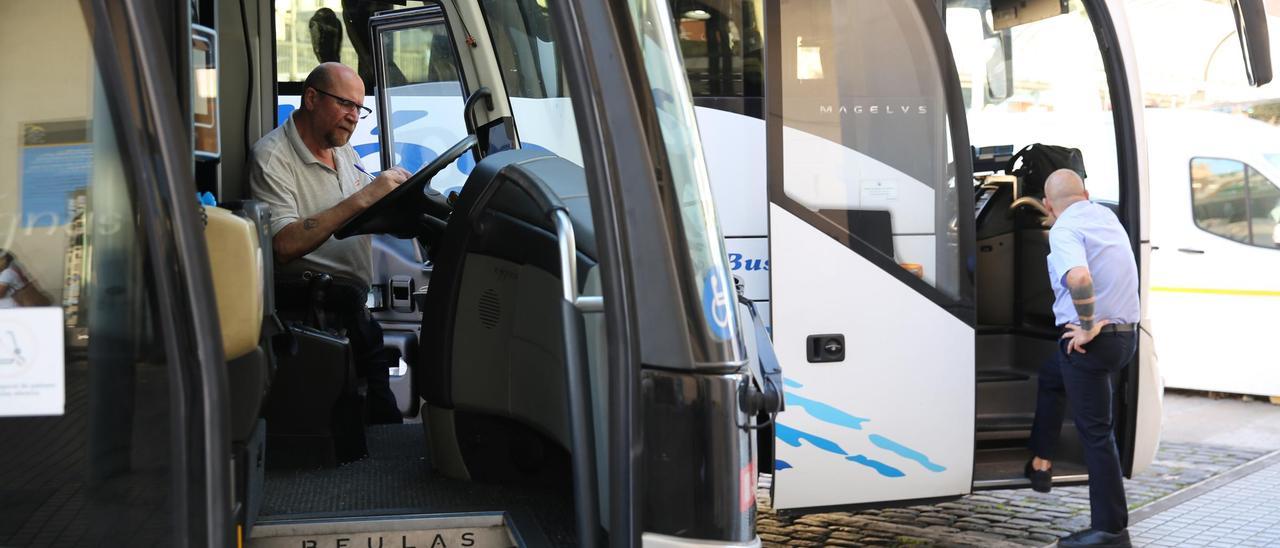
{"x": 305, "y": 235}
{"x": 1080, "y": 283}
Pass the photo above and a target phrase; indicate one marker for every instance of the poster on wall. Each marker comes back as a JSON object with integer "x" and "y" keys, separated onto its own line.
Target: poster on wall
{"x": 56, "y": 161}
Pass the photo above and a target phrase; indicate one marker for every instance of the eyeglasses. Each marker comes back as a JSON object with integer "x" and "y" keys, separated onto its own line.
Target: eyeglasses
{"x": 348, "y": 104}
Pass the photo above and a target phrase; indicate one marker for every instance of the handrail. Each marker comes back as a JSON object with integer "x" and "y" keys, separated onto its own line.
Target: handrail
{"x": 577, "y": 383}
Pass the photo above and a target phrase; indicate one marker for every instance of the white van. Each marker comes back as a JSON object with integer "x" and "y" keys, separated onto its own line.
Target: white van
{"x": 1215, "y": 250}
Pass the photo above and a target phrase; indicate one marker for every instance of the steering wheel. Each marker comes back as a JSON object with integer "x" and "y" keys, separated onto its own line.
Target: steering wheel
{"x": 408, "y": 201}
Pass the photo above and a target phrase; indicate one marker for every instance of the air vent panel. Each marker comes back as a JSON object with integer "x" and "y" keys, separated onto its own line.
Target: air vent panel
{"x": 490, "y": 308}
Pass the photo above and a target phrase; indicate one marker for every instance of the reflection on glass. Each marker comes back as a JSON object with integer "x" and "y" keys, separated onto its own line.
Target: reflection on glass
{"x": 310, "y": 32}
{"x": 1264, "y": 210}
{"x": 424, "y": 98}
{"x": 722, "y": 45}
{"x": 688, "y": 177}
{"x": 865, "y": 137}
{"x": 1219, "y": 199}
{"x": 85, "y": 416}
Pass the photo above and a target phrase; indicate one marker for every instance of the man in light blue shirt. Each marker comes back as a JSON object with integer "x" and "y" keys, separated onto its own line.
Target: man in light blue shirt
{"x": 1095, "y": 284}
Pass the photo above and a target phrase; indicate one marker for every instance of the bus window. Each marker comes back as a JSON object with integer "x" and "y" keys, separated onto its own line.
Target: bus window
{"x": 88, "y": 448}
{"x": 424, "y": 96}
{"x": 723, "y": 46}
{"x": 533, "y": 73}
{"x": 867, "y": 137}
{"x": 310, "y": 32}
{"x": 1040, "y": 82}
{"x": 527, "y": 52}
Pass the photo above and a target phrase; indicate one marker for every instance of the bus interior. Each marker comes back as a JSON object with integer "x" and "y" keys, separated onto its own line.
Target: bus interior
{"x": 486, "y": 284}
{"x": 472, "y": 303}
{"x": 1013, "y": 101}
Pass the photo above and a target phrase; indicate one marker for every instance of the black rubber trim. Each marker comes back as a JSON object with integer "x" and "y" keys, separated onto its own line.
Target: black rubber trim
{"x": 880, "y": 505}
{"x": 1131, "y": 208}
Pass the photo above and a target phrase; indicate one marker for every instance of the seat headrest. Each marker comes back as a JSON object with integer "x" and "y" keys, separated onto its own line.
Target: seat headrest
{"x": 236, "y": 261}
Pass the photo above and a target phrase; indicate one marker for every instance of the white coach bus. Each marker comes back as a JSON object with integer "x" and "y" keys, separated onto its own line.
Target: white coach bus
{"x": 905, "y": 287}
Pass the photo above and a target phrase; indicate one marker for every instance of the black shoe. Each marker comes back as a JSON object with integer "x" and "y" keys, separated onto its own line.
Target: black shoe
{"x": 1094, "y": 537}
{"x": 1041, "y": 481}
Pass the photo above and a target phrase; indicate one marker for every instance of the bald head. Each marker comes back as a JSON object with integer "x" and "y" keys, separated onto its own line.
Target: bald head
{"x": 333, "y": 76}
{"x": 1064, "y": 184}
{"x": 1063, "y": 188}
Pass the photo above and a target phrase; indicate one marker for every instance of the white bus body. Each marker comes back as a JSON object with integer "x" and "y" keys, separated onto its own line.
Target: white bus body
{"x": 926, "y": 401}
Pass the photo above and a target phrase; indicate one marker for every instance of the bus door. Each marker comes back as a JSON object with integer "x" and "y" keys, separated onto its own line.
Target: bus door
{"x": 873, "y": 318}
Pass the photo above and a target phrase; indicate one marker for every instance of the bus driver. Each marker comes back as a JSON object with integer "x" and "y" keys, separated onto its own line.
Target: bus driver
{"x": 310, "y": 176}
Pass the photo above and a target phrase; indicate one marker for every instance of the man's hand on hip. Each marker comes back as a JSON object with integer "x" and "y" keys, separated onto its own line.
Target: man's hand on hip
{"x": 1078, "y": 336}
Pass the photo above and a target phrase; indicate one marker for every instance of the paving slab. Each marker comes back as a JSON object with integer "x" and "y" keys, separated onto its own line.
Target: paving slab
{"x": 1251, "y": 494}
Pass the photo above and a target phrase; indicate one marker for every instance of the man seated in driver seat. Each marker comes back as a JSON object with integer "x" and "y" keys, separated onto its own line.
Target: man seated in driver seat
{"x": 311, "y": 178}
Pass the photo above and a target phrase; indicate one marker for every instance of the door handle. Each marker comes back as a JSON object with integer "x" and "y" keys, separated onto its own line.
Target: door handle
{"x": 825, "y": 348}
{"x": 1192, "y": 251}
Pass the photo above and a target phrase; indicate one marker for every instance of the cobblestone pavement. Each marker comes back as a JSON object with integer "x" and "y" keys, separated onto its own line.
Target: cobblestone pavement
{"x": 1244, "y": 512}
{"x": 1019, "y": 517}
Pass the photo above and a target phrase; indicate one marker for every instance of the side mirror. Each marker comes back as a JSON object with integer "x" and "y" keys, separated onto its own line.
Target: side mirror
{"x": 1000, "y": 68}
{"x": 1255, "y": 41}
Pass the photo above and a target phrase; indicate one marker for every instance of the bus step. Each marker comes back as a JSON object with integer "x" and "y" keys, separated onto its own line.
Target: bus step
{"x": 478, "y": 529}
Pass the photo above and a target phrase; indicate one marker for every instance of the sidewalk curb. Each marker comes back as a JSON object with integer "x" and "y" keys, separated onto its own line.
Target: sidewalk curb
{"x": 1192, "y": 491}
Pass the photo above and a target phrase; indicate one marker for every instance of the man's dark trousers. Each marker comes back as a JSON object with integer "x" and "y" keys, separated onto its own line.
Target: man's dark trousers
{"x": 344, "y": 309}
{"x": 1087, "y": 380}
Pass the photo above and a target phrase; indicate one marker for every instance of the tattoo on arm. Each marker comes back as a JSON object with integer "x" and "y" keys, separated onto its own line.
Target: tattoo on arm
{"x": 1082, "y": 297}
{"x": 310, "y": 224}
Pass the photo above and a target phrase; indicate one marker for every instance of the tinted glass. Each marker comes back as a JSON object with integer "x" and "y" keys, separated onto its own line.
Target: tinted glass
{"x": 1264, "y": 210}
{"x": 310, "y": 32}
{"x": 533, "y": 72}
{"x": 424, "y": 96}
{"x": 722, "y": 42}
{"x": 85, "y": 413}
{"x": 1218, "y": 198}
{"x": 866, "y": 138}
{"x": 526, "y": 49}
{"x": 687, "y": 173}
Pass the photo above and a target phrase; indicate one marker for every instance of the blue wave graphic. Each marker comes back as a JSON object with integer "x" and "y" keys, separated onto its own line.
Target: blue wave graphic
{"x": 401, "y": 118}
{"x": 905, "y": 452}
{"x": 283, "y": 112}
{"x": 791, "y": 384}
{"x": 781, "y": 465}
{"x": 824, "y": 412}
{"x": 880, "y": 467}
{"x": 793, "y": 437}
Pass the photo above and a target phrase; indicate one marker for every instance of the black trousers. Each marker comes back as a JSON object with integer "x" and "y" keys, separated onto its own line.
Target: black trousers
{"x": 1088, "y": 382}
{"x": 343, "y": 309}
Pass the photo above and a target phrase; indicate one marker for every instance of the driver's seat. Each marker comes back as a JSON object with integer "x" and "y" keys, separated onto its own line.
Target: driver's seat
{"x": 492, "y": 337}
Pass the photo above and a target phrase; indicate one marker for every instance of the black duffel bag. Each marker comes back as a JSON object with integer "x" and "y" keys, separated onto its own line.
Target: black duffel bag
{"x": 1039, "y": 160}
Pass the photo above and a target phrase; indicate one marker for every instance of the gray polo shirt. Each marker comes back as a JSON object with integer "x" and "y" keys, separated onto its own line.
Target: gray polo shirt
{"x": 285, "y": 175}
